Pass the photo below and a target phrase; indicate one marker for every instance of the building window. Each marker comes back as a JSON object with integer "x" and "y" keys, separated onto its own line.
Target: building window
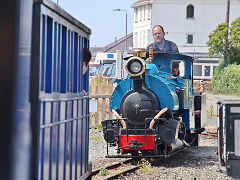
{"x": 149, "y": 11}
{"x": 143, "y": 39}
{"x": 136, "y": 40}
{"x": 140, "y": 12}
{"x": 190, "y": 11}
{"x": 189, "y": 38}
{"x": 136, "y": 14}
{"x": 207, "y": 71}
{"x": 144, "y": 13}
{"x": 140, "y": 39}
{"x": 149, "y": 36}
{"x": 197, "y": 70}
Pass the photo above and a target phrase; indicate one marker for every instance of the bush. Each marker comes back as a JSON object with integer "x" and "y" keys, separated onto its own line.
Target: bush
{"x": 220, "y": 67}
{"x": 227, "y": 81}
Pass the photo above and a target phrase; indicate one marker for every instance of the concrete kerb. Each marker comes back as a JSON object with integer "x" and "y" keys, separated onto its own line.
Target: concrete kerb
{"x": 211, "y": 122}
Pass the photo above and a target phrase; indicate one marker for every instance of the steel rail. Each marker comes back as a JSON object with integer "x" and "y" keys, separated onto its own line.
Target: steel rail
{"x": 112, "y": 166}
{"x": 132, "y": 169}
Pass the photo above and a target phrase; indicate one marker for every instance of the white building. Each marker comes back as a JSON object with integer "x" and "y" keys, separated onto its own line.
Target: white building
{"x": 186, "y": 22}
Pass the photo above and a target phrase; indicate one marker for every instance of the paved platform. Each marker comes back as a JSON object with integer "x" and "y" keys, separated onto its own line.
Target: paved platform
{"x": 214, "y": 97}
{"x": 211, "y": 108}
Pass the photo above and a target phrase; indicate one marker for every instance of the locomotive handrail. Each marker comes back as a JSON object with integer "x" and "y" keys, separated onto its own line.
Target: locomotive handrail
{"x": 120, "y": 118}
{"x": 157, "y": 116}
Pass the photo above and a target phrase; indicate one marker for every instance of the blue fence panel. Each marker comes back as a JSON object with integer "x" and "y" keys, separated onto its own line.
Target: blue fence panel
{"x": 43, "y": 51}
{"x": 68, "y": 60}
{"x": 63, "y": 60}
{"x": 59, "y": 57}
{"x": 80, "y": 63}
{"x": 55, "y": 58}
{"x": 76, "y": 67}
{"x": 63, "y": 113}
{"x": 48, "y": 75}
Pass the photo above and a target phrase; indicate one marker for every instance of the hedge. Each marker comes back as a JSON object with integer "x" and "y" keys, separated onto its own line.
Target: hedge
{"x": 227, "y": 81}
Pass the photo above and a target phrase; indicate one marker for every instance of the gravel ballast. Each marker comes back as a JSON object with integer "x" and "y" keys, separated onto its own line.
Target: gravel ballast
{"x": 193, "y": 163}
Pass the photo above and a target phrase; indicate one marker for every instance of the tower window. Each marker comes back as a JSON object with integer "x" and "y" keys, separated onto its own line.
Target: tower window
{"x": 190, "y": 11}
{"x": 189, "y": 38}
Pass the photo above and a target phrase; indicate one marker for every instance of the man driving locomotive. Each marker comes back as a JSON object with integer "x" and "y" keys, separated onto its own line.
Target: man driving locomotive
{"x": 160, "y": 44}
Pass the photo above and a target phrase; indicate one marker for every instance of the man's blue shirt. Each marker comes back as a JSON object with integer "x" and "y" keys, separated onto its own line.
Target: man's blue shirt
{"x": 168, "y": 47}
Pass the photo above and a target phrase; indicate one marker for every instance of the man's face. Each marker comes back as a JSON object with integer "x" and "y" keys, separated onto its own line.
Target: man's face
{"x": 84, "y": 68}
{"x": 158, "y": 35}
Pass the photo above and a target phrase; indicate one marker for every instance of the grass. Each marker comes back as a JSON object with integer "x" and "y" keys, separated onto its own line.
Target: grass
{"x": 95, "y": 138}
{"x": 104, "y": 172}
{"x": 146, "y": 168}
{"x": 99, "y": 127}
{"x": 210, "y": 112}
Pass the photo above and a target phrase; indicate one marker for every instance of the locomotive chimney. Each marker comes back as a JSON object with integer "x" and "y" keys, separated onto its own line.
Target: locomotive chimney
{"x": 137, "y": 83}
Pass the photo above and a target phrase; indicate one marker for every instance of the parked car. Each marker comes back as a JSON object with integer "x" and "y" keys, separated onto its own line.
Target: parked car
{"x": 108, "y": 70}
{"x": 93, "y": 69}
{"x": 111, "y": 71}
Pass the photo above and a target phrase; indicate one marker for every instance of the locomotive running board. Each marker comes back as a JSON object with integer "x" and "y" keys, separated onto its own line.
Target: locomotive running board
{"x": 129, "y": 156}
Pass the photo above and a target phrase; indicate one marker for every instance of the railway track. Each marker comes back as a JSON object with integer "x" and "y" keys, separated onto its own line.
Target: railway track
{"x": 123, "y": 167}
{"x": 117, "y": 169}
{"x": 210, "y": 134}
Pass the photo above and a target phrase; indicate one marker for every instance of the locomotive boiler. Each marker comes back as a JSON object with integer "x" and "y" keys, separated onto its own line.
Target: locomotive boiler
{"x": 153, "y": 106}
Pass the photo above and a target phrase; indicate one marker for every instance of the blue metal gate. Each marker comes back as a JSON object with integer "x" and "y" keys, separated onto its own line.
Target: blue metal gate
{"x": 61, "y": 115}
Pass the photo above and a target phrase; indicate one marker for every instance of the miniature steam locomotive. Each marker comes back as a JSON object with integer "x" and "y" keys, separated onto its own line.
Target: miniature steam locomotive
{"x": 154, "y": 107}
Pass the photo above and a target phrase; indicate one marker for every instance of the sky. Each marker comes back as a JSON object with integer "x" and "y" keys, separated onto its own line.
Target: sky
{"x": 106, "y": 24}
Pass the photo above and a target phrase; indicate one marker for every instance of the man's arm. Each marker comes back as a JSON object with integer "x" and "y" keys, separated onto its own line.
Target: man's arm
{"x": 147, "y": 49}
{"x": 174, "y": 48}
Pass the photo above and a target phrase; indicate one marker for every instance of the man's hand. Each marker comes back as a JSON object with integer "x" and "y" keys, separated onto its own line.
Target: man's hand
{"x": 84, "y": 92}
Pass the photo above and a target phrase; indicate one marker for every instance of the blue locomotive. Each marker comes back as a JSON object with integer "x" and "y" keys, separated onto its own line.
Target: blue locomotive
{"x": 154, "y": 107}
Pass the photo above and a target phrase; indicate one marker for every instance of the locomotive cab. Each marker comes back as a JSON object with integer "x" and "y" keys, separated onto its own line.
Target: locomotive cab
{"x": 178, "y": 68}
{"x": 153, "y": 106}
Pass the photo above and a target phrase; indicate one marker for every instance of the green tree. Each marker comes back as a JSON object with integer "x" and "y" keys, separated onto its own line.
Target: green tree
{"x": 226, "y": 44}
{"x": 217, "y": 41}
{"x": 234, "y": 40}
